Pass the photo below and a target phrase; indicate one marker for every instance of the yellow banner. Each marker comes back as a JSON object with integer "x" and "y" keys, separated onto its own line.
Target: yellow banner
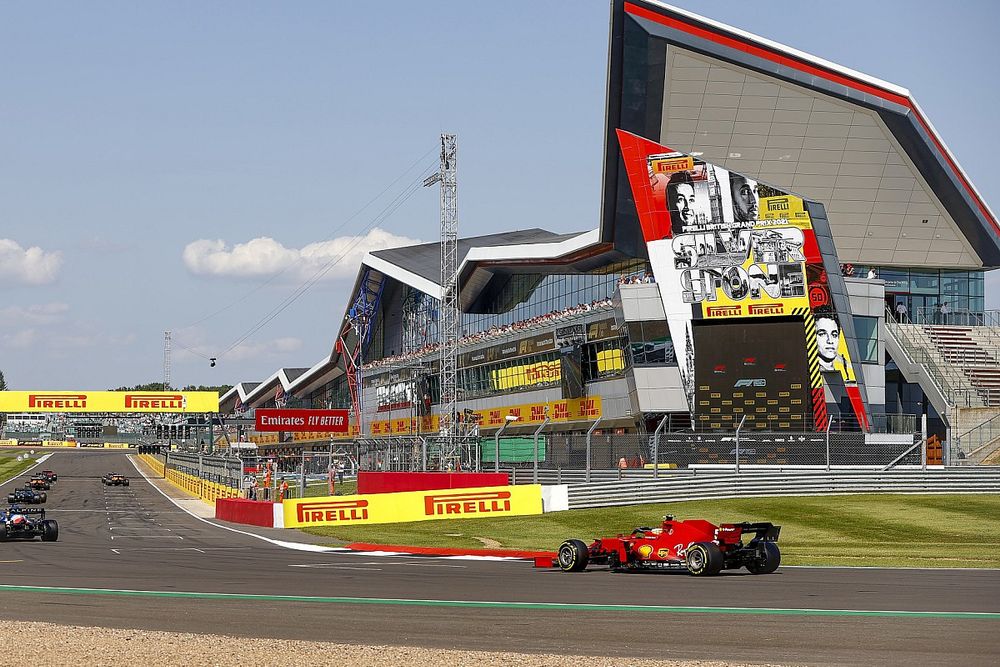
{"x": 109, "y": 401}
{"x": 526, "y": 375}
{"x": 116, "y": 445}
{"x": 8, "y": 443}
{"x": 566, "y": 410}
{"x": 58, "y": 443}
{"x": 375, "y": 508}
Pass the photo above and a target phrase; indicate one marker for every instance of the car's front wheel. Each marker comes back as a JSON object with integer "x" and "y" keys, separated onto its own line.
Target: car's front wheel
{"x": 573, "y": 556}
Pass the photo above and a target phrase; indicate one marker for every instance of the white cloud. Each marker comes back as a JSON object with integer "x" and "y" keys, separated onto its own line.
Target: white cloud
{"x": 266, "y": 257}
{"x": 30, "y": 266}
{"x": 43, "y": 313}
{"x": 19, "y": 340}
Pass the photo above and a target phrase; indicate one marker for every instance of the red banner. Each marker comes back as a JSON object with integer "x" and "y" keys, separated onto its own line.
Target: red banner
{"x": 326, "y": 421}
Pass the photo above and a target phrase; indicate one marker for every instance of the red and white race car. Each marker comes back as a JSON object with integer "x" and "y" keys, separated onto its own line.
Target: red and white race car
{"x": 695, "y": 545}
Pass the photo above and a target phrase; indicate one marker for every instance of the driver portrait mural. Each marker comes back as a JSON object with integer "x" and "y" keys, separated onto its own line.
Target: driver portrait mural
{"x": 828, "y": 339}
{"x": 744, "y": 192}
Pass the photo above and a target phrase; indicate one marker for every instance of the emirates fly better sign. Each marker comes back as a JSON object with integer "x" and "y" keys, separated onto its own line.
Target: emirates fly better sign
{"x": 328, "y": 421}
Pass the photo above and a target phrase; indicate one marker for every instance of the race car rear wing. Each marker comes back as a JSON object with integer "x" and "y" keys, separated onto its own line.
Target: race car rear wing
{"x": 763, "y": 531}
{"x": 17, "y": 509}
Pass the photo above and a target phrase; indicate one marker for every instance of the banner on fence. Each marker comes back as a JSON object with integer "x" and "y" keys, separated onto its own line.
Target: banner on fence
{"x": 375, "y": 508}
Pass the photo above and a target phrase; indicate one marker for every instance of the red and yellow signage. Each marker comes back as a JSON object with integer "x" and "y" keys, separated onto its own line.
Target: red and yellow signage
{"x": 109, "y": 401}
{"x": 326, "y": 421}
{"x": 414, "y": 506}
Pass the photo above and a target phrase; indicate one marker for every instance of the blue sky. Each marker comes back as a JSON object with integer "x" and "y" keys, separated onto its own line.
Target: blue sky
{"x": 130, "y": 131}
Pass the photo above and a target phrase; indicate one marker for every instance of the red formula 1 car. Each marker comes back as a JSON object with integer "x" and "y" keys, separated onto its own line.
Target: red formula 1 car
{"x": 695, "y": 545}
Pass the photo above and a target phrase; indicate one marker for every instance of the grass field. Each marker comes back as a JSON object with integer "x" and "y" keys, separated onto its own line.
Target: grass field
{"x": 10, "y": 466}
{"x": 889, "y": 530}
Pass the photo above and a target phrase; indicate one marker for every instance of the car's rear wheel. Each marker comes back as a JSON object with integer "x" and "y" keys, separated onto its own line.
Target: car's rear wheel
{"x": 125, "y": 482}
{"x": 769, "y": 558}
{"x": 10, "y": 499}
{"x": 43, "y": 497}
{"x": 704, "y": 559}
{"x": 50, "y": 530}
{"x": 573, "y": 556}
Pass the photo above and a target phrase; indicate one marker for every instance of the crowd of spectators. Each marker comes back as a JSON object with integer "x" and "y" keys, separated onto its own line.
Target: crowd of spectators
{"x": 637, "y": 279}
{"x": 498, "y": 331}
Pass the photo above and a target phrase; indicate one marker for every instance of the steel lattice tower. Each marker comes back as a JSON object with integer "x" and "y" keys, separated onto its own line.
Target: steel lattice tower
{"x": 449, "y": 322}
{"x": 166, "y": 361}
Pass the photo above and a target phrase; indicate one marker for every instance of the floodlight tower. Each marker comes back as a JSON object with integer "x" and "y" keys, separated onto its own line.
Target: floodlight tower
{"x": 166, "y": 361}
{"x": 449, "y": 323}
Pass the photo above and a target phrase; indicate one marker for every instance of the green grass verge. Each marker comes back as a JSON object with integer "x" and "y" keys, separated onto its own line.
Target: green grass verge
{"x": 870, "y": 530}
{"x": 346, "y": 488}
{"x": 11, "y": 467}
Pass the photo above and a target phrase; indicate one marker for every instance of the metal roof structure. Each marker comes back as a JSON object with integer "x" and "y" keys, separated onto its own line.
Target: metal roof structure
{"x": 894, "y": 192}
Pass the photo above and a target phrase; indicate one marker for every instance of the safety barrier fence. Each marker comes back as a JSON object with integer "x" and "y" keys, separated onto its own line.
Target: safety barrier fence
{"x": 677, "y": 486}
{"x": 206, "y": 489}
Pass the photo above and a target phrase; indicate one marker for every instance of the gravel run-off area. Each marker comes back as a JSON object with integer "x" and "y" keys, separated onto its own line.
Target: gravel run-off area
{"x": 51, "y": 644}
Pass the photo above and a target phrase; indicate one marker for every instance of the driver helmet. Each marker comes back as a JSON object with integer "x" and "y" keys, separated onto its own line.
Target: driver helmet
{"x": 19, "y": 520}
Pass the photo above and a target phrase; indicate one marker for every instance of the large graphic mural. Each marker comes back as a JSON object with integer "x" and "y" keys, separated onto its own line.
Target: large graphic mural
{"x": 724, "y": 247}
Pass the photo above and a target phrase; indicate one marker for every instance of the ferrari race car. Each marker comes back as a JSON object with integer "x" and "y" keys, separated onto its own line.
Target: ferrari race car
{"x": 26, "y": 495}
{"x": 50, "y": 475}
{"x": 114, "y": 479}
{"x": 39, "y": 482}
{"x": 695, "y": 545}
{"x": 22, "y": 523}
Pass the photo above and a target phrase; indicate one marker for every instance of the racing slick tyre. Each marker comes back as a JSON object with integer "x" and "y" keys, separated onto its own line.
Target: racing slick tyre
{"x": 125, "y": 483}
{"x": 573, "y": 556}
{"x": 50, "y": 531}
{"x": 42, "y": 497}
{"x": 10, "y": 499}
{"x": 769, "y": 560}
{"x": 704, "y": 559}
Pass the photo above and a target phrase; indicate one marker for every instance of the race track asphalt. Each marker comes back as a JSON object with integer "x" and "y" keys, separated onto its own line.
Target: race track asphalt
{"x": 117, "y": 540}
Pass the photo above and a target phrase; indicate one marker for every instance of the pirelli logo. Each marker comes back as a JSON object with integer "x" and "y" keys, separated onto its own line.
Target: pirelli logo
{"x": 333, "y": 510}
{"x": 778, "y": 204}
{"x": 57, "y": 401}
{"x": 723, "y": 311}
{"x": 156, "y": 401}
{"x": 766, "y": 309}
{"x": 460, "y": 504}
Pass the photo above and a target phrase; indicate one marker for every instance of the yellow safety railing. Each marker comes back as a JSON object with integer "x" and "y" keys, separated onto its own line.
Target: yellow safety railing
{"x": 204, "y": 489}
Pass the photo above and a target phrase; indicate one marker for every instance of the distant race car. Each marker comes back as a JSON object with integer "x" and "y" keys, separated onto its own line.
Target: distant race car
{"x": 114, "y": 479}
{"x": 695, "y": 545}
{"x": 23, "y": 523}
{"x": 50, "y": 475}
{"x": 39, "y": 482}
{"x": 26, "y": 495}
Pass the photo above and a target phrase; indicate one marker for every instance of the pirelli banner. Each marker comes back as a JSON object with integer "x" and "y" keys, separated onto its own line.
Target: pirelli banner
{"x": 109, "y": 401}
{"x": 408, "y": 506}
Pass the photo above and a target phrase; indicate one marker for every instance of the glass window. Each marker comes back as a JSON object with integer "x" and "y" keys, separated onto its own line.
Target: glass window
{"x": 924, "y": 282}
{"x": 976, "y": 283}
{"x": 955, "y": 283}
{"x": 866, "y": 330}
{"x": 896, "y": 280}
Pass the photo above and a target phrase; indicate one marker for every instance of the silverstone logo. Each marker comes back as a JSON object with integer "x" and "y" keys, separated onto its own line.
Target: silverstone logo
{"x": 334, "y": 510}
{"x": 57, "y": 401}
{"x": 155, "y": 401}
{"x": 484, "y": 502}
